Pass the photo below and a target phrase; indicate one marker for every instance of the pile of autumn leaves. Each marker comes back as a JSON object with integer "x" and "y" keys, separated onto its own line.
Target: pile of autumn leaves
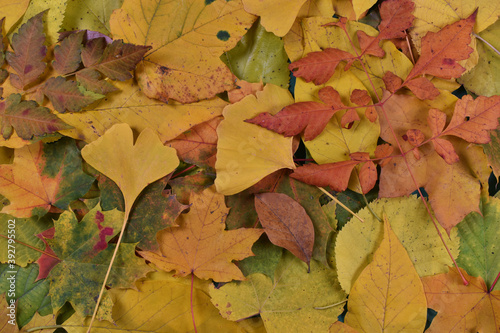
{"x": 379, "y": 256}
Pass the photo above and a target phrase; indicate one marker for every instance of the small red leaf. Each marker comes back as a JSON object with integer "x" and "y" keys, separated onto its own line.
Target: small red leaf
{"x": 369, "y": 44}
{"x": 93, "y": 51}
{"x": 319, "y": 66}
{"x": 445, "y": 149}
{"x": 436, "y": 120}
{"x": 422, "y": 88}
{"x": 392, "y": 81}
{"x": 336, "y": 175}
{"x": 382, "y": 151}
{"x": 68, "y": 54}
{"x": 368, "y": 176}
{"x": 415, "y": 137}
{"x": 349, "y": 117}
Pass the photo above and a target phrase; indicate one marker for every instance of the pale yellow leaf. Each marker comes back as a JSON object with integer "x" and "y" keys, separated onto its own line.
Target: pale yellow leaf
{"x": 131, "y": 166}
{"x": 246, "y": 153}
{"x": 13, "y": 11}
{"x": 388, "y": 295}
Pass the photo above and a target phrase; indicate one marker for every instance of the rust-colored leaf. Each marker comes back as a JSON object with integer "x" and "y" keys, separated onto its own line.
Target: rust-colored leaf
{"x": 335, "y": 175}
{"x": 442, "y": 50}
{"x": 286, "y": 223}
{"x": 68, "y": 95}
{"x": 319, "y": 66}
{"x": 93, "y": 51}
{"x": 461, "y": 308}
{"x": 310, "y": 117}
{"x": 423, "y": 88}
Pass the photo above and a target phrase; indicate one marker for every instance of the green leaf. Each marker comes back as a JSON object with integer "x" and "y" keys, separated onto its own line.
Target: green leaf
{"x": 32, "y": 296}
{"x": 25, "y": 234}
{"x": 67, "y": 95}
{"x": 29, "y": 51}
{"x": 28, "y": 118}
{"x": 155, "y": 209}
{"x": 479, "y": 247}
{"x": 119, "y": 59}
{"x": 267, "y": 256}
{"x": 67, "y": 54}
{"x": 290, "y": 300}
{"x": 41, "y": 176}
{"x": 259, "y": 55}
{"x": 89, "y": 14}
{"x": 85, "y": 255}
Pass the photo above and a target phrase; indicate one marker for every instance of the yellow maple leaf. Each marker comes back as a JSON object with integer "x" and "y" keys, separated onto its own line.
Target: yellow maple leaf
{"x": 200, "y": 245}
{"x": 187, "y": 37}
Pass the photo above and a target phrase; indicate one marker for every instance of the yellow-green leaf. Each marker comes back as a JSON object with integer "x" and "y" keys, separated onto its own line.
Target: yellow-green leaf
{"x": 388, "y": 295}
{"x": 246, "y": 153}
{"x": 199, "y": 30}
{"x": 131, "y": 166}
{"x": 410, "y": 222}
{"x": 53, "y": 18}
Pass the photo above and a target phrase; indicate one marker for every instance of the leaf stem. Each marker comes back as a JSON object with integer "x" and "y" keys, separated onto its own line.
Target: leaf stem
{"x": 31, "y": 247}
{"x": 340, "y": 203}
{"x": 494, "y": 283}
{"x": 125, "y": 220}
{"x": 329, "y": 306}
{"x": 192, "y": 308}
{"x": 486, "y": 42}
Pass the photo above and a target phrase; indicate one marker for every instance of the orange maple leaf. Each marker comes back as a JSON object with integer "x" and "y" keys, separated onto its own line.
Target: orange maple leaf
{"x": 462, "y": 308}
{"x": 200, "y": 245}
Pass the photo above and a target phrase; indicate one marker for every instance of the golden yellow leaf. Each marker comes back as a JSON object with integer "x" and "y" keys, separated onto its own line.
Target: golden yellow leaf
{"x": 246, "y": 153}
{"x": 160, "y": 304}
{"x": 360, "y": 7}
{"x": 388, "y": 295}
{"x": 131, "y": 167}
{"x": 200, "y": 245}
{"x": 14, "y": 9}
{"x": 294, "y": 39}
{"x": 131, "y": 106}
{"x": 198, "y": 30}
{"x": 277, "y": 16}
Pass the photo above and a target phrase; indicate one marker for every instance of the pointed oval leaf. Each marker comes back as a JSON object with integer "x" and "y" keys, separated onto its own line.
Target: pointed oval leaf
{"x": 286, "y": 223}
{"x": 67, "y": 54}
{"x": 388, "y": 295}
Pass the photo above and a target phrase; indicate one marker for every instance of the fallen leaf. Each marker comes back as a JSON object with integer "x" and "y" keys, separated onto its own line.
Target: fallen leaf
{"x": 478, "y": 242}
{"x": 52, "y": 19}
{"x": 200, "y": 245}
{"x": 207, "y": 30}
{"x": 259, "y": 57}
{"x": 131, "y": 166}
{"x": 84, "y": 254}
{"x": 388, "y": 295}
{"x": 68, "y": 54}
{"x": 27, "y": 118}
{"x": 243, "y": 89}
{"x": 463, "y": 308}
{"x": 268, "y": 10}
{"x": 286, "y": 223}
{"x": 95, "y": 17}
{"x": 16, "y": 10}
{"x": 245, "y": 154}
{"x": 492, "y": 151}
{"x": 26, "y": 231}
{"x": 131, "y": 106}
{"x": 29, "y": 51}
{"x": 410, "y": 222}
{"x": 68, "y": 95}
{"x": 41, "y": 176}
{"x": 198, "y": 145}
{"x": 294, "y": 298}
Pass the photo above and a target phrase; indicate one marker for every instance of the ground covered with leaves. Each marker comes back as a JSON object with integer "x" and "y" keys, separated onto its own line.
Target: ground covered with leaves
{"x": 250, "y": 166}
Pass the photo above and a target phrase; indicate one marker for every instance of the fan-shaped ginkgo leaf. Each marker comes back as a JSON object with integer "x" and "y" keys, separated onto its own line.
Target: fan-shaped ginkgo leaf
{"x": 247, "y": 153}
{"x": 200, "y": 245}
{"x": 388, "y": 295}
{"x": 131, "y": 166}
